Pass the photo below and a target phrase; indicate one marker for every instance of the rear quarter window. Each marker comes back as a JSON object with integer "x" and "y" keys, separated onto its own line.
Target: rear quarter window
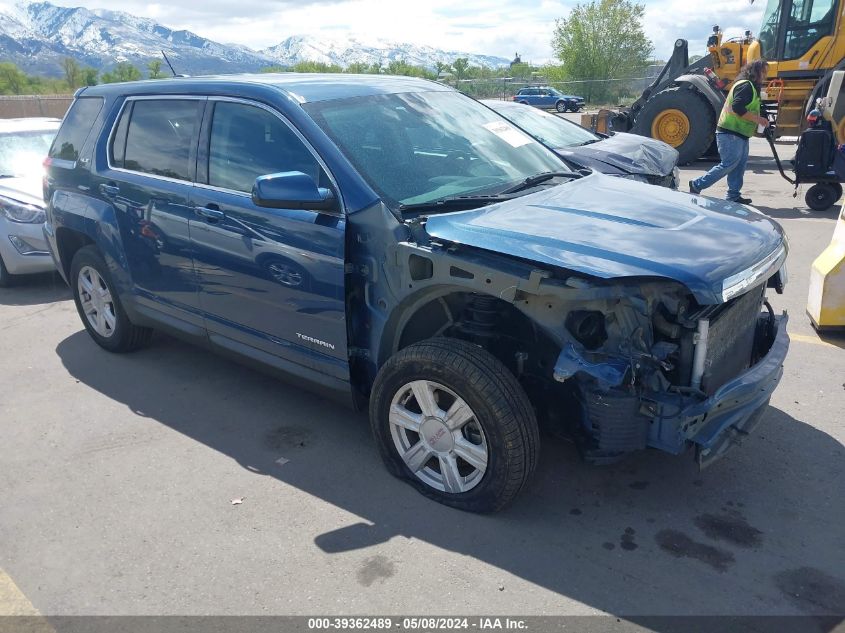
{"x": 75, "y": 128}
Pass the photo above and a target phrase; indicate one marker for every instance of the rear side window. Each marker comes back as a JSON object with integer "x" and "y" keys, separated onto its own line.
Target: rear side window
{"x": 159, "y": 137}
{"x": 75, "y": 128}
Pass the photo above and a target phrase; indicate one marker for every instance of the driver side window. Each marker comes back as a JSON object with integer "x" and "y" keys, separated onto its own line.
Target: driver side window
{"x": 809, "y": 21}
{"x": 247, "y": 142}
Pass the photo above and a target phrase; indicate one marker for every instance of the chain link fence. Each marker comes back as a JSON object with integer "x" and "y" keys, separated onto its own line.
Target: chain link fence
{"x": 594, "y": 91}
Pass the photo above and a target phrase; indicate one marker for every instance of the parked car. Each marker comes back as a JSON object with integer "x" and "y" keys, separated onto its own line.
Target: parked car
{"x": 467, "y": 285}
{"x": 549, "y": 98}
{"x": 625, "y": 155}
{"x": 23, "y": 146}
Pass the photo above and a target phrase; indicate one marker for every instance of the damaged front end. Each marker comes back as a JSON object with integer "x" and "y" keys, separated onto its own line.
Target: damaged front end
{"x": 699, "y": 376}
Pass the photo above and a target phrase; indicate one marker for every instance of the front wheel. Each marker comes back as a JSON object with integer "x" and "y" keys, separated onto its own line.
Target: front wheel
{"x": 680, "y": 117}
{"x": 560, "y": 106}
{"x": 450, "y": 419}
{"x": 99, "y": 306}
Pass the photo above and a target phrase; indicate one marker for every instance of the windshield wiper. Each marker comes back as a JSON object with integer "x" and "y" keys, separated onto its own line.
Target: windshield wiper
{"x": 536, "y": 179}
{"x": 590, "y": 142}
{"x": 456, "y": 202}
{"x": 7, "y": 175}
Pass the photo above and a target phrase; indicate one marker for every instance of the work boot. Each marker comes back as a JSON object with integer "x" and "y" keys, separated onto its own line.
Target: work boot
{"x": 742, "y": 200}
{"x": 692, "y": 187}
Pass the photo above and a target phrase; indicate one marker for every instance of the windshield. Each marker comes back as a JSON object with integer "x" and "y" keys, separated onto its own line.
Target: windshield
{"x": 418, "y": 147}
{"x": 552, "y": 130}
{"x": 21, "y": 153}
{"x": 769, "y": 30}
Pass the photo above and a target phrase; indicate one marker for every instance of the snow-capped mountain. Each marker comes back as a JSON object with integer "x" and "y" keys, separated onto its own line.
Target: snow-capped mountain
{"x": 345, "y": 51}
{"x": 38, "y": 35}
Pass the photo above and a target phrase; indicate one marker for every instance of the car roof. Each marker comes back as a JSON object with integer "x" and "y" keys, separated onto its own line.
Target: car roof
{"x": 31, "y": 124}
{"x": 304, "y": 87}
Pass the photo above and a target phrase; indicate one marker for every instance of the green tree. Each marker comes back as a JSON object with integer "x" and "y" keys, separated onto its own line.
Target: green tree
{"x": 600, "y": 41}
{"x": 154, "y": 68}
{"x": 442, "y": 68}
{"x": 316, "y": 67}
{"x": 124, "y": 71}
{"x": 12, "y": 79}
{"x": 73, "y": 73}
{"x": 357, "y": 68}
{"x": 89, "y": 76}
{"x": 461, "y": 67}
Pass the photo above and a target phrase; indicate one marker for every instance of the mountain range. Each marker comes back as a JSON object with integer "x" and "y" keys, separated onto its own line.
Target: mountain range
{"x": 37, "y": 36}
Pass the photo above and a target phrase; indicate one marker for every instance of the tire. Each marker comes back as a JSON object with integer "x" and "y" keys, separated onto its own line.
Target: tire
{"x": 837, "y": 191}
{"x": 560, "y": 106}
{"x": 6, "y": 277}
{"x": 821, "y": 196}
{"x": 117, "y": 333}
{"x": 524, "y": 102}
{"x": 500, "y": 421}
{"x": 700, "y": 116}
{"x": 575, "y": 109}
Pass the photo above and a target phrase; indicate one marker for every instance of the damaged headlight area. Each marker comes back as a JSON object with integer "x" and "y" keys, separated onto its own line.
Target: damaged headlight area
{"x": 666, "y": 373}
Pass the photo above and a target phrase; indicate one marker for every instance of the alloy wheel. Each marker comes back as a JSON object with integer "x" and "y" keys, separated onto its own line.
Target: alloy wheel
{"x": 96, "y": 300}
{"x": 438, "y": 436}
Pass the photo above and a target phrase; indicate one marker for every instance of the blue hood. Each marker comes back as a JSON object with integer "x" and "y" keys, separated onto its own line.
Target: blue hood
{"x": 611, "y": 228}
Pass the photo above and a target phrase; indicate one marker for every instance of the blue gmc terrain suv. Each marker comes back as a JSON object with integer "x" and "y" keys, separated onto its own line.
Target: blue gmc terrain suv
{"x": 404, "y": 248}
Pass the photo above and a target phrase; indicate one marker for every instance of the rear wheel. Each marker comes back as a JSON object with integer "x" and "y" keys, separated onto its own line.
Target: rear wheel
{"x": 450, "y": 419}
{"x": 680, "y": 117}
{"x": 99, "y": 306}
{"x": 822, "y": 196}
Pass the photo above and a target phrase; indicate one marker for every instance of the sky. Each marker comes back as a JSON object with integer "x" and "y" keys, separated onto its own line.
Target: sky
{"x": 492, "y": 27}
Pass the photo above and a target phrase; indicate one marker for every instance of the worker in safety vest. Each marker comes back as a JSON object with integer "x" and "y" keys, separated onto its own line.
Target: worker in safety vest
{"x": 737, "y": 123}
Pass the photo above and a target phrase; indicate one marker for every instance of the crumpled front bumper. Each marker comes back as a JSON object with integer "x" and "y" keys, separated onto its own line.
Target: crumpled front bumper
{"x": 716, "y": 424}
{"x": 619, "y": 419}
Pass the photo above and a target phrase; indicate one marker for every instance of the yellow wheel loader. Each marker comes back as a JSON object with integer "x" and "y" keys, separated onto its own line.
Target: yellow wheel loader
{"x": 804, "y": 42}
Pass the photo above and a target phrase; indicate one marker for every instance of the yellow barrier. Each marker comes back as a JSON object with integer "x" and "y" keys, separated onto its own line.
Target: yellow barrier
{"x": 826, "y": 303}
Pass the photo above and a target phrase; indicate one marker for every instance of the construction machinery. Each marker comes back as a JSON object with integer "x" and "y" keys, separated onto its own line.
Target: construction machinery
{"x": 803, "y": 41}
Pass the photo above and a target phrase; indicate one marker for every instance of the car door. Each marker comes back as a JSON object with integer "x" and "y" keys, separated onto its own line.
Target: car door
{"x": 148, "y": 181}
{"x": 270, "y": 279}
{"x": 547, "y": 99}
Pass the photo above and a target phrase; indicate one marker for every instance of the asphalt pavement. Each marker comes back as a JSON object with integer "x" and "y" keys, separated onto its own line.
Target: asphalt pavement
{"x": 118, "y": 475}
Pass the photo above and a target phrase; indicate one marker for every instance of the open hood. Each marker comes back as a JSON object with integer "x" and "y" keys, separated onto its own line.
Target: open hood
{"x": 613, "y": 228}
{"x": 631, "y": 153}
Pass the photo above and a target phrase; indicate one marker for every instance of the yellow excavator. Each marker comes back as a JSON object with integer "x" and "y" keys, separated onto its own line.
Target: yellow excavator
{"x": 804, "y": 42}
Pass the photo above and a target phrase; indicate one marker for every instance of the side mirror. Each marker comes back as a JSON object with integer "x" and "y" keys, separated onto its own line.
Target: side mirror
{"x": 292, "y": 190}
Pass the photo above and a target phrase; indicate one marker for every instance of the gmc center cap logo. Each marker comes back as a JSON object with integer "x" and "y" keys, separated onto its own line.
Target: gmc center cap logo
{"x": 436, "y": 434}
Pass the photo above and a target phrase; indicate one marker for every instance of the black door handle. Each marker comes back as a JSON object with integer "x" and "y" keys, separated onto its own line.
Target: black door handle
{"x": 109, "y": 190}
{"x": 210, "y": 214}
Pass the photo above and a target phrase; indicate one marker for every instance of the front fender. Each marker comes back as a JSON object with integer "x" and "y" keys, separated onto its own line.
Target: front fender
{"x": 700, "y": 84}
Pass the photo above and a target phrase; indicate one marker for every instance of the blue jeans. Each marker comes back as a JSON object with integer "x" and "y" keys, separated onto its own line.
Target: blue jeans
{"x": 733, "y": 152}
